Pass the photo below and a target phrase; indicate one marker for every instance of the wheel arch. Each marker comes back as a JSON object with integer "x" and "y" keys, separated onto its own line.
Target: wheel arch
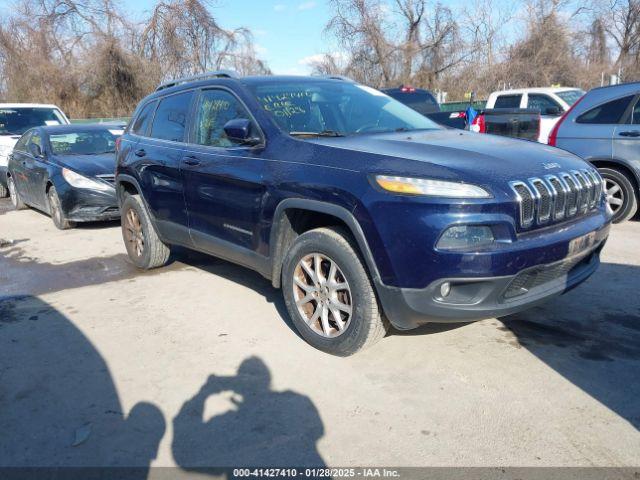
{"x": 620, "y": 165}
{"x": 286, "y": 227}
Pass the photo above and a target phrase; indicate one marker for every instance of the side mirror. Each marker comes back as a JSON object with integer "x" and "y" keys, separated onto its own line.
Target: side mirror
{"x": 239, "y": 130}
{"x": 552, "y": 111}
{"x": 35, "y": 150}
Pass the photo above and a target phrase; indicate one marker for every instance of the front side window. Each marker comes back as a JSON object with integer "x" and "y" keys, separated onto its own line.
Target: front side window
{"x": 16, "y": 121}
{"x": 335, "y": 108}
{"x": 542, "y": 103}
{"x": 607, "y": 113}
{"x": 170, "y": 120}
{"x": 21, "y": 145}
{"x": 215, "y": 109}
{"x": 508, "y": 101}
{"x": 93, "y": 142}
{"x": 36, "y": 139}
{"x": 141, "y": 125}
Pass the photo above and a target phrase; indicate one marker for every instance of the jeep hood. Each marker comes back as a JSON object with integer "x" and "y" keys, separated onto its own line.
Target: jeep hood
{"x": 456, "y": 155}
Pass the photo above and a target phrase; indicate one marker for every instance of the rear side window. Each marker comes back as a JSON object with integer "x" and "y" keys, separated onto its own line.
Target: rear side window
{"x": 607, "y": 113}
{"x": 508, "y": 101}
{"x": 170, "y": 119}
{"x": 141, "y": 125}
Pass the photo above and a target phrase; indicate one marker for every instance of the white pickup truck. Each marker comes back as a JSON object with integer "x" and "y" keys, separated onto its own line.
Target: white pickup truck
{"x": 552, "y": 103}
{"x": 17, "y": 118}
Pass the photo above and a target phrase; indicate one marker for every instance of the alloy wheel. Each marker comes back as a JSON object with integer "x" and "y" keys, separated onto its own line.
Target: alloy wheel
{"x": 133, "y": 232}
{"x": 322, "y": 295}
{"x": 614, "y": 194}
{"x": 54, "y": 205}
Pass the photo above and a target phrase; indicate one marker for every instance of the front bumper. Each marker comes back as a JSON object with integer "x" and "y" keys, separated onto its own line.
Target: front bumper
{"x": 82, "y": 205}
{"x": 478, "y": 298}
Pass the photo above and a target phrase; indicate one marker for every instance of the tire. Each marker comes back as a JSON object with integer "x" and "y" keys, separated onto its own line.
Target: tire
{"x": 4, "y": 191}
{"x": 620, "y": 193}
{"x": 16, "y": 201}
{"x": 143, "y": 245}
{"x": 348, "y": 285}
{"x": 55, "y": 210}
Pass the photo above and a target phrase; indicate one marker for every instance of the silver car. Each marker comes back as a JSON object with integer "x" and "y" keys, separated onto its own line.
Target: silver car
{"x": 603, "y": 127}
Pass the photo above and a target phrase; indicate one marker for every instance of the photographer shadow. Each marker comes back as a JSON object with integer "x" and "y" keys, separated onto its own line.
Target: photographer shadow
{"x": 263, "y": 427}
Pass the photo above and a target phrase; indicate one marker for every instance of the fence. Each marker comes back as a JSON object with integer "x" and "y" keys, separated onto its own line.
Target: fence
{"x": 457, "y": 106}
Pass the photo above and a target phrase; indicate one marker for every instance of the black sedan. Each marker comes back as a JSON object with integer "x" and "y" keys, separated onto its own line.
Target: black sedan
{"x": 66, "y": 171}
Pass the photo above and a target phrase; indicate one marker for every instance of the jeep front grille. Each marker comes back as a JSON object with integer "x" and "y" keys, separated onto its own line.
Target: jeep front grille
{"x": 556, "y": 197}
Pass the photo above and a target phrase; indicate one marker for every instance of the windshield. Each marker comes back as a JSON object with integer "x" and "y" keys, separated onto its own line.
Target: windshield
{"x": 16, "y": 121}
{"x": 336, "y": 108}
{"x": 570, "y": 96}
{"x": 92, "y": 142}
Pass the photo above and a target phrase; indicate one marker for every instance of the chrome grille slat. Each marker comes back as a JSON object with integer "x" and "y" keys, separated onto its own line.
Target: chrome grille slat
{"x": 556, "y": 197}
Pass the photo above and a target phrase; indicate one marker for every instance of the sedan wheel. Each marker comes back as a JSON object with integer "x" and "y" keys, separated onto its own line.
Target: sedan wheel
{"x": 322, "y": 295}
{"x": 56, "y": 212}
{"x": 16, "y": 201}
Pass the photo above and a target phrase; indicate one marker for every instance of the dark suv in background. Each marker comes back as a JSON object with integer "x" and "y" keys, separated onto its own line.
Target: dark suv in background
{"x": 603, "y": 127}
{"x": 364, "y": 211}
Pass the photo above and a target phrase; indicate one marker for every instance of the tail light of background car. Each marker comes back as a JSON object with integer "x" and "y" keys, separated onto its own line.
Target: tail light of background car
{"x": 479, "y": 125}
{"x": 407, "y": 89}
{"x": 553, "y": 136}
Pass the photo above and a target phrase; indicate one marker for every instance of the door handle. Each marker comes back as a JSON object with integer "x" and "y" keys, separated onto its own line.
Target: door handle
{"x": 191, "y": 161}
{"x": 630, "y": 133}
{"x": 140, "y": 153}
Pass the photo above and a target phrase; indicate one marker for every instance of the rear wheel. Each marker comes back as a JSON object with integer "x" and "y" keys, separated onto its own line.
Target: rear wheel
{"x": 620, "y": 194}
{"x": 329, "y": 295}
{"x": 144, "y": 247}
{"x": 16, "y": 201}
{"x": 56, "y": 212}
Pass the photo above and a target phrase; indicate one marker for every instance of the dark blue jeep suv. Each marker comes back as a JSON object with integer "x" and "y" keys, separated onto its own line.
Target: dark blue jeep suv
{"x": 361, "y": 209}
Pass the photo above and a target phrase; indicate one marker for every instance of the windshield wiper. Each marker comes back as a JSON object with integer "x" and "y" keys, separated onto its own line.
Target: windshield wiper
{"x": 323, "y": 133}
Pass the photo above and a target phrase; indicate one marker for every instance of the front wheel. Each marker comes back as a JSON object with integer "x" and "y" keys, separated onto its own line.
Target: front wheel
{"x": 329, "y": 295}
{"x": 144, "y": 247}
{"x": 16, "y": 201}
{"x": 4, "y": 192}
{"x": 620, "y": 194}
{"x": 56, "y": 212}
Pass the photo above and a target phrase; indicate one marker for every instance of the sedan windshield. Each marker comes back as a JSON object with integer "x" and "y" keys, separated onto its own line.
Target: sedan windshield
{"x": 16, "y": 121}
{"x": 337, "y": 108}
{"x": 92, "y": 142}
{"x": 570, "y": 96}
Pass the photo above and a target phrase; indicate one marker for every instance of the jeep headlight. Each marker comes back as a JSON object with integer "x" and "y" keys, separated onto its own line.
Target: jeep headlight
{"x": 80, "y": 181}
{"x": 431, "y": 188}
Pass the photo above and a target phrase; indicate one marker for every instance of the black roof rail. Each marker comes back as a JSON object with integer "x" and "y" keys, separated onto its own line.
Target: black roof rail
{"x": 200, "y": 76}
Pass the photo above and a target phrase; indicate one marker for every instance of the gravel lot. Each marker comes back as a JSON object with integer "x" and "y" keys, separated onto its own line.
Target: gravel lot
{"x": 196, "y": 364}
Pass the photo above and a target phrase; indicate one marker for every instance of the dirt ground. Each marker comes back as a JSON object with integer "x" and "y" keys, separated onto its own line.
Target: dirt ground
{"x": 196, "y": 364}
